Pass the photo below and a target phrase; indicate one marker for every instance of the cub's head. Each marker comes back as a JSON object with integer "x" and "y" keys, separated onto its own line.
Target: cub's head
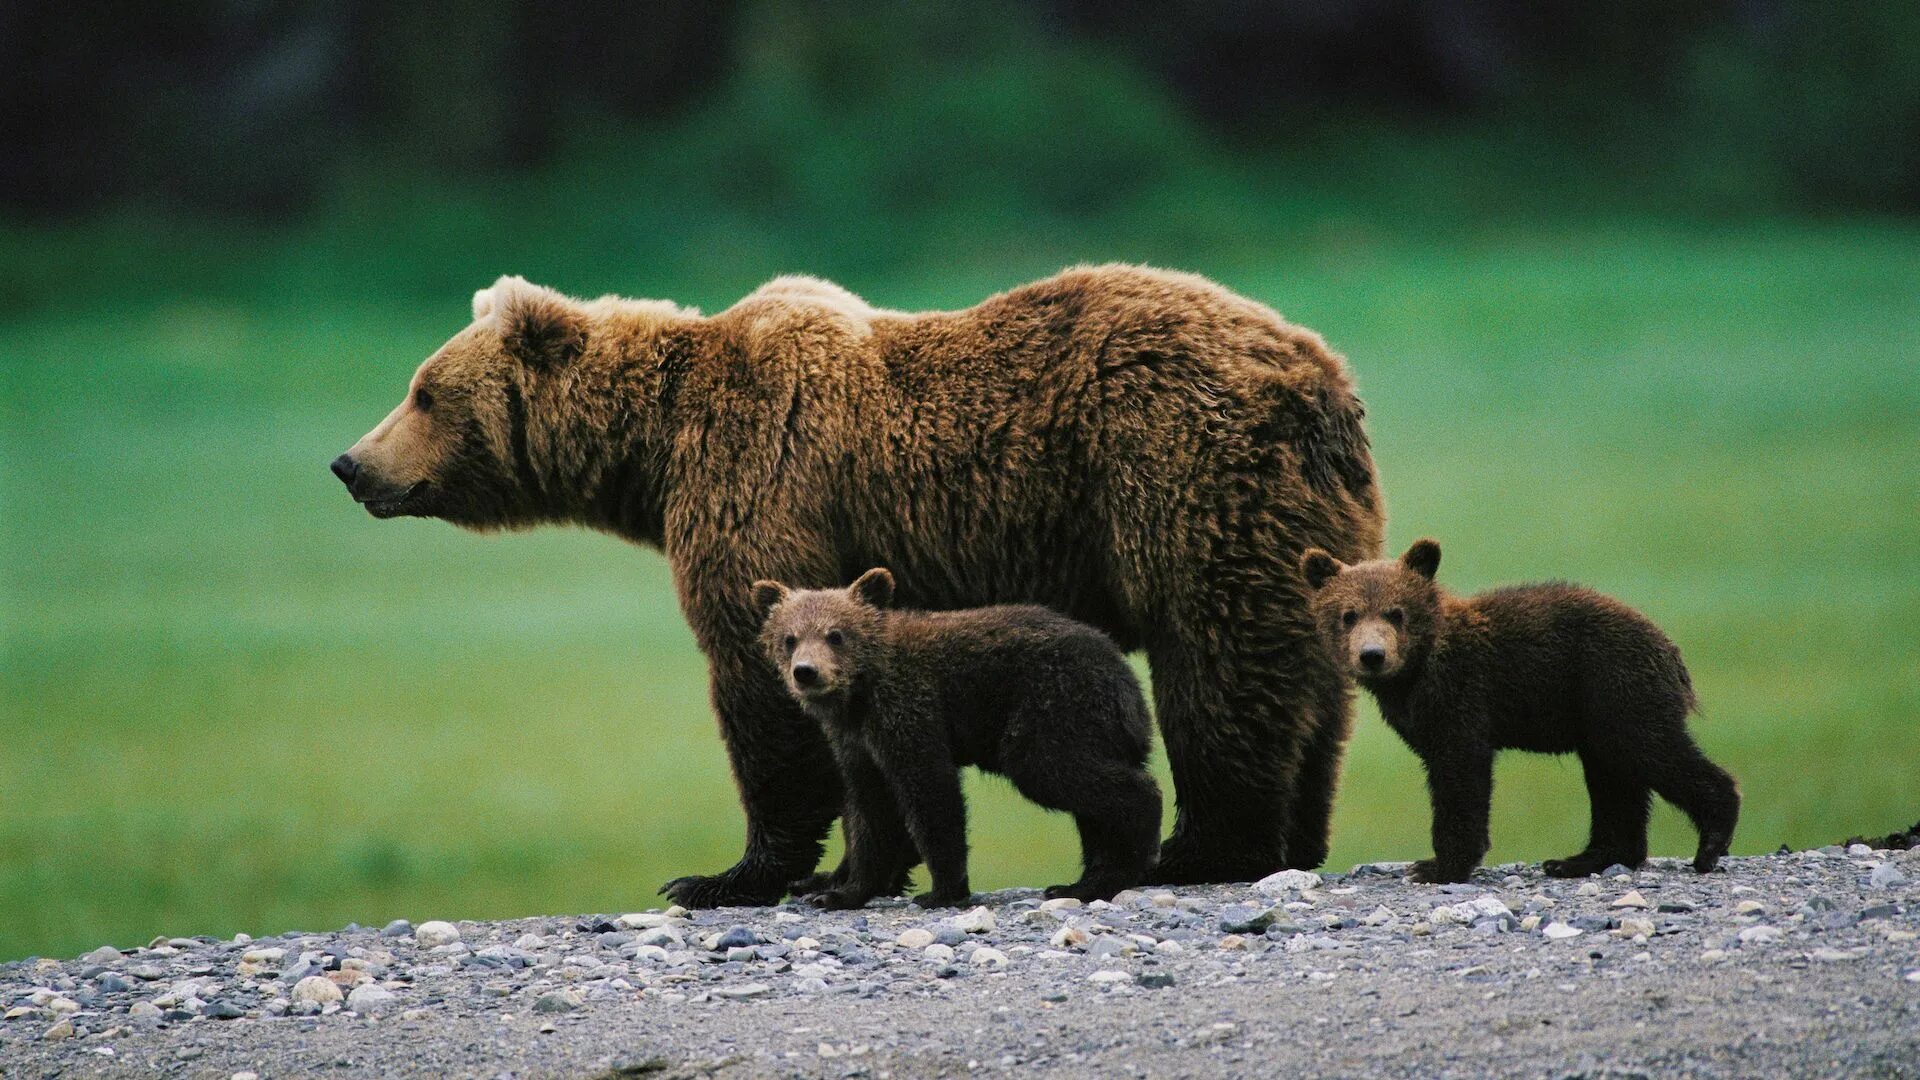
{"x": 821, "y": 640}
{"x": 1377, "y": 618}
{"x": 482, "y": 437}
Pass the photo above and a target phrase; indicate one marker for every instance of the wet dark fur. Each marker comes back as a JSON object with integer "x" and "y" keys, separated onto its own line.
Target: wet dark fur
{"x": 1555, "y": 669}
{"x": 1141, "y": 450}
{"x": 906, "y": 698}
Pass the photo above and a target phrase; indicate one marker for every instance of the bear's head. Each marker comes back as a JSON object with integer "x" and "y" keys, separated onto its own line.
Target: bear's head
{"x": 822, "y": 640}
{"x": 497, "y": 428}
{"x": 1377, "y": 619}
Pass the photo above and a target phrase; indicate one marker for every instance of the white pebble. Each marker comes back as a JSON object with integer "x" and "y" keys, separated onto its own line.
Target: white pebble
{"x": 315, "y": 989}
{"x": 1068, "y": 937}
{"x": 914, "y": 938}
{"x": 977, "y": 921}
{"x": 1749, "y": 907}
{"x": 938, "y": 953}
{"x": 1591, "y": 888}
{"x": 1285, "y": 881}
{"x": 1858, "y": 850}
{"x": 431, "y": 935}
{"x": 1632, "y": 899}
{"x": 1886, "y": 876}
{"x": 1559, "y": 931}
{"x": 1059, "y": 903}
{"x": 988, "y": 958}
{"x": 1109, "y": 976}
{"x": 1761, "y": 935}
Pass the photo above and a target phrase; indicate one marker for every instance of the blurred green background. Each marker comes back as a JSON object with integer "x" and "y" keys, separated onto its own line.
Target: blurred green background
{"x": 1632, "y": 294}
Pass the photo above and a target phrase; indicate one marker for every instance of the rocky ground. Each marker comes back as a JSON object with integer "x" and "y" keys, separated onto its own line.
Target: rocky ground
{"x": 1790, "y": 964}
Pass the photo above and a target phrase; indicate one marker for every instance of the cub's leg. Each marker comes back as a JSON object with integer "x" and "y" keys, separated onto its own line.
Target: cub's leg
{"x": 926, "y": 785}
{"x": 1618, "y": 833}
{"x": 1460, "y": 782}
{"x": 1703, "y": 791}
{"x": 876, "y": 837}
{"x": 1116, "y": 807}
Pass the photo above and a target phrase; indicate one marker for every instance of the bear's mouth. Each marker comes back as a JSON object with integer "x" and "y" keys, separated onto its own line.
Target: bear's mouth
{"x": 392, "y": 505}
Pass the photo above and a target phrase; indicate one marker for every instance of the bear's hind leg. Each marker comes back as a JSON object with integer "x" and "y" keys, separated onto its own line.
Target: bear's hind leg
{"x": 1232, "y": 715}
{"x": 1310, "y": 831}
{"x": 1618, "y": 833}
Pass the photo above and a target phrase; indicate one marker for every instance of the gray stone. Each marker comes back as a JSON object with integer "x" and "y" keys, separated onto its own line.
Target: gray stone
{"x": 557, "y": 1001}
{"x": 397, "y": 928}
{"x": 1886, "y": 876}
{"x": 1245, "y": 919}
{"x": 372, "y": 1000}
{"x": 734, "y": 938}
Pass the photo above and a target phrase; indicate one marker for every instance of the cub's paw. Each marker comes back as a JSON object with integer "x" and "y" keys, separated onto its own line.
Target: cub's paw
{"x": 1434, "y": 872}
{"x": 933, "y": 899}
{"x": 1706, "y": 864}
{"x": 835, "y": 899}
{"x": 812, "y": 883}
{"x": 1571, "y": 868}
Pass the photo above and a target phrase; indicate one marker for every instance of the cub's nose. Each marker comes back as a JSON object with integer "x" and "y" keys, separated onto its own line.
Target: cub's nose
{"x": 1372, "y": 657}
{"x": 346, "y": 468}
{"x": 805, "y": 674}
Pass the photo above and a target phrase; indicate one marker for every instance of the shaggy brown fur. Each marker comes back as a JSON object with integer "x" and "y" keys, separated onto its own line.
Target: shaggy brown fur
{"x": 1140, "y": 450}
{"x": 1556, "y": 669}
{"x": 906, "y": 698}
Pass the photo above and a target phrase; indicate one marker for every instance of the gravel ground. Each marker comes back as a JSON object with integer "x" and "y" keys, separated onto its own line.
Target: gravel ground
{"x": 1790, "y": 964}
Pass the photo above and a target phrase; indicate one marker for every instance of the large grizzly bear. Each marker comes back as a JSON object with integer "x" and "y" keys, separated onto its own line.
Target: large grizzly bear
{"x": 1140, "y": 450}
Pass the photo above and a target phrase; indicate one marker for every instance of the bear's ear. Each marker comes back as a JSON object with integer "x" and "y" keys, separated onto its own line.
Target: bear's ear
{"x": 1422, "y": 558}
{"x": 766, "y": 594}
{"x": 1318, "y": 568}
{"x": 875, "y": 587}
{"x": 538, "y": 326}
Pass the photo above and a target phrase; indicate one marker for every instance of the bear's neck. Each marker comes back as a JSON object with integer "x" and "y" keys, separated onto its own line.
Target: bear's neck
{"x": 619, "y": 407}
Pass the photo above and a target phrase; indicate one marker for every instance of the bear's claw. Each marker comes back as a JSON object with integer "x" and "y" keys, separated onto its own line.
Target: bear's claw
{"x": 719, "y": 890}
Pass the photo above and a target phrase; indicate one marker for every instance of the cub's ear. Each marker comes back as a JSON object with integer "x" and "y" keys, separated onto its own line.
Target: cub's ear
{"x": 1318, "y": 568}
{"x": 538, "y": 326}
{"x": 766, "y": 594}
{"x": 1422, "y": 558}
{"x": 875, "y": 587}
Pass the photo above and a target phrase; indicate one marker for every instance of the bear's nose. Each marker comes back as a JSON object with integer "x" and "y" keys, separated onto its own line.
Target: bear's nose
{"x": 805, "y": 674}
{"x": 346, "y": 468}
{"x": 1372, "y": 657}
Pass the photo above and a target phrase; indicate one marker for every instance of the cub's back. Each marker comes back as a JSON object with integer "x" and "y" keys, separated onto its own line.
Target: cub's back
{"x": 1571, "y": 637}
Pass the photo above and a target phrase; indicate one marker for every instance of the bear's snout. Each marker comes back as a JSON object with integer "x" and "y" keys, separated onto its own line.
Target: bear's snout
{"x": 805, "y": 674}
{"x": 1373, "y": 657}
{"x": 346, "y": 469}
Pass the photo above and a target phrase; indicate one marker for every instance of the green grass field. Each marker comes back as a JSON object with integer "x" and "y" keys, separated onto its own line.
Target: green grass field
{"x": 233, "y": 702}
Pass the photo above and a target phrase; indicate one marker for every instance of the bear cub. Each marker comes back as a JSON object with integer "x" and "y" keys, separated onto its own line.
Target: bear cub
{"x": 1552, "y": 668}
{"x": 908, "y": 697}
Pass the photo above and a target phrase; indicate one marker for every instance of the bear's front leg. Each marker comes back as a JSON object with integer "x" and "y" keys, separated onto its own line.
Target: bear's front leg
{"x": 1460, "y": 783}
{"x": 926, "y": 786}
{"x": 787, "y": 780}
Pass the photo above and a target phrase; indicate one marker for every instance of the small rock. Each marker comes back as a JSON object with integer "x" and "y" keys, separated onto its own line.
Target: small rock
{"x": 1632, "y": 928}
{"x": 144, "y": 1010}
{"x": 1233, "y": 941}
{"x": 1616, "y": 871}
{"x": 1826, "y": 955}
{"x": 734, "y": 938}
{"x": 557, "y": 1001}
{"x": 914, "y": 938}
{"x": 1632, "y": 899}
{"x": 1559, "y": 931}
{"x": 61, "y": 1030}
{"x": 1886, "y": 876}
{"x": 245, "y": 1075}
{"x": 1059, "y": 903}
{"x": 742, "y": 992}
{"x": 988, "y": 958}
{"x": 1749, "y": 907}
{"x": 978, "y": 921}
{"x": 1912, "y": 976}
{"x": 1379, "y": 916}
{"x": 315, "y": 990}
{"x": 1068, "y": 937}
{"x": 647, "y": 920}
{"x": 1590, "y": 888}
{"x": 1245, "y": 919}
{"x": 1858, "y": 850}
{"x": 1109, "y": 976}
{"x": 224, "y": 1010}
{"x": 1713, "y": 956}
{"x": 1153, "y": 980}
{"x": 1761, "y": 935}
{"x": 432, "y": 935}
{"x": 264, "y": 956}
{"x": 938, "y": 953}
{"x": 397, "y": 928}
{"x": 1285, "y": 881}
{"x": 371, "y": 1000}
{"x": 105, "y": 954}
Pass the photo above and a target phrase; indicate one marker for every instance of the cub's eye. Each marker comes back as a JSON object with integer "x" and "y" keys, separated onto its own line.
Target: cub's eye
{"x": 1348, "y": 619}
{"x": 835, "y": 638}
{"x": 422, "y": 400}
{"x": 1397, "y": 617}
{"x": 791, "y": 642}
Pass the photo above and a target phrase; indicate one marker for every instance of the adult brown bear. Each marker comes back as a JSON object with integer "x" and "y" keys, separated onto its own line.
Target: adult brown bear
{"x": 1142, "y": 450}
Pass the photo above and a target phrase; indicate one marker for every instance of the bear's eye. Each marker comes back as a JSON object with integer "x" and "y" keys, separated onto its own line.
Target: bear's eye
{"x": 835, "y": 638}
{"x": 1397, "y": 617}
{"x": 1348, "y": 619}
{"x": 422, "y": 399}
{"x": 791, "y": 642}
